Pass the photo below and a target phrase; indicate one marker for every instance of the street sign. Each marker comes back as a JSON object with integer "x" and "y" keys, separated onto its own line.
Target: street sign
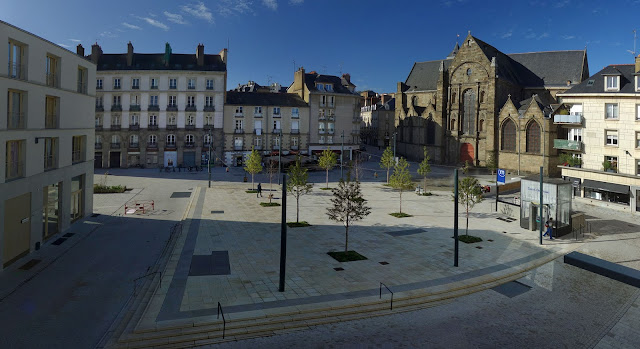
{"x": 502, "y": 174}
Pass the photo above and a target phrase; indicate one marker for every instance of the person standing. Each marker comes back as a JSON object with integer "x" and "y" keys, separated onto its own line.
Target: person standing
{"x": 259, "y": 194}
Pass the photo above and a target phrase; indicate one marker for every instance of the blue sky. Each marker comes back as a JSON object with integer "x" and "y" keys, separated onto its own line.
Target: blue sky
{"x": 375, "y": 41}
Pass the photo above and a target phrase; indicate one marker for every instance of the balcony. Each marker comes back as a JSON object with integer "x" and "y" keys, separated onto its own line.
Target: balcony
{"x": 116, "y": 107}
{"x": 98, "y": 127}
{"x": 172, "y": 127}
{"x": 99, "y": 107}
{"x": 172, "y": 87}
{"x": 153, "y": 107}
{"x": 257, "y": 115}
{"x": 238, "y": 131}
{"x": 208, "y": 127}
{"x": 51, "y": 120}
{"x": 134, "y": 147}
{"x": 566, "y": 144}
{"x": 14, "y": 169}
{"x": 209, "y": 108}
{"x": 134, "y": 127}
{"x": 115, "y": 127}
{"x": 171, "y": 146}
{"x": 97, "y": 146}
{"x": 189, "y": 144}
{"x": 15, "y": 120}
{"x": 191, "y": 87}
{"x": 209, "y": 87}
{"x": 17, "y": 71}
{"x": 257, "y": 131}
{"x": 152, "y": 127}
{"x": 152, "y": 146}
{"x": 190, "y": 127}
{"x": 237, "y": 147}
{"x": 135, "y": 107}
{"x": 238, "y": 115}
{"x": 191, "y": 107}
{"x": 52, "y": 80}
{"x": 295, "y": 131}
{"x": 115, "y": 145}
{"x": 154, "y": 87}
{"x": 276, "y": 115}
{"x": 276, "y": 131}
{"x": 172, "y": 107}
{"x": 574, "y": 119}
{"x": 135, "y": 87}
{"x": 116, "y": 87}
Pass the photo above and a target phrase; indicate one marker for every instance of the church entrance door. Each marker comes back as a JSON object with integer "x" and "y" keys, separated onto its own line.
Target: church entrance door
{"x": 466, "y": 152}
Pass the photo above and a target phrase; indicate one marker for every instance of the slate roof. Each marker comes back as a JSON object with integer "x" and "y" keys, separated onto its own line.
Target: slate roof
{"x": 553, "y": 67}
{"x": 424, "y": 75}
{"x": 155, "y": 61}
{"x": 627, "y": 84}
{"x": 311, "y": 79}
{"x": 265, "y": 99}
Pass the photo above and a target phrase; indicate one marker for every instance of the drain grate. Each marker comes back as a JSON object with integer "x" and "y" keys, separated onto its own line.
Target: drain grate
{"x": 30, "y": 264}
{"x": 384, "y": 263}
{"x": 68, "y": 235}
{"x": 214, "y": 212}
{"x": 180, "y": 194}
{"x": 338, "y": 269}
{"x": 405, "y": 232}
{"x": 507, "y": 219}
{"x": 479, "y": 247}
{"x": 490, "y": 240}
{"x": 59, "y": 241}
{"x": 95, "y": 215}
{"x": 512, "y": 289}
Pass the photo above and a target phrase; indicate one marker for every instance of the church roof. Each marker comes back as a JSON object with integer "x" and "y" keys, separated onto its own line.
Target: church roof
{"x": 424, "y": 75}
{"x": 553, "y": 67}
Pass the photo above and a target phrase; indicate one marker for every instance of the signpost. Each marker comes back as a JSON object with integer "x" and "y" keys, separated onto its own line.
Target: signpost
{"x": 501, "y": 176}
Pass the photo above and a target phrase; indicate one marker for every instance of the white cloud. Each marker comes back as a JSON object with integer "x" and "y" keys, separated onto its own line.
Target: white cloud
{"x": 155, "y": 23}
{"x": 272, "y": 4}
{"x": 75, "y": 40}
{"x": 63, "y": 45}
{"x": 568, "y": 37}
{"x": 561, "y": 4}
{"x": 108, "y": 34}
{"x": 175, "y": 18}
{"x": 130, "y": 26}
{"x": 198, "y": 10}
{"x": 296, "y": 2}
{"x": 507, "y": 34}
{"x": 543, "y": 35}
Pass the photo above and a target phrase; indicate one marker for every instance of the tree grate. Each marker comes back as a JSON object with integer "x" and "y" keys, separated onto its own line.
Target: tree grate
{"x": 30, "y": 264}
{"x": 338, "y": 269}
{"x": 59, "y": 241}
{"x": 384, "y": 263}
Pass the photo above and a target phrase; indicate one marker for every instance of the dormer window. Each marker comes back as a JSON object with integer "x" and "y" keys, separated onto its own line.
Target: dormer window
{"x": 612, "y": 83}
{"x": 638, "y": 83}
{"x": 320, "y": 87}
{"x": 329, "y": 88}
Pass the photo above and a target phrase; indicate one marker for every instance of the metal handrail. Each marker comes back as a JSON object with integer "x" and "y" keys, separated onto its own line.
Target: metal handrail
{"x": 135, "y": 281}
{"x": 224, "y": 322}
{"x": 385, "y": 286}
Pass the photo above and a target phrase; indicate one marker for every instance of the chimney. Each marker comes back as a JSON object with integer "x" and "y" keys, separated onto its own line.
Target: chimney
{"x": 347, "y": 77}
{"x": 298, "y": 82}
{"x": 96, "y": 52}
{"x": 80, "y": 50}
{"x": 223, "y": 56}
{"x": 129, "y": 54}
{"x": 167, "y": 54}
{"x": 200, "y": 55}
{"x": 638, "y": 64}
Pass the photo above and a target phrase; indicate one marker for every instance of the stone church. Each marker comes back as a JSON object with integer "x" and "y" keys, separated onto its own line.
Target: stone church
{"x": 479, "y": 103}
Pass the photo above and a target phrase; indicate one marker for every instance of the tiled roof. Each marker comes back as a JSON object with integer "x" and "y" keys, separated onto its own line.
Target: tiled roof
{"x": 595, "y": 83}
{"x": 155, "y": 61}
{"x": 424, "y": 75}
{"x": 265, "y": 99}
{"x": 553, "y": 67}
{"x": 311, "y": 79}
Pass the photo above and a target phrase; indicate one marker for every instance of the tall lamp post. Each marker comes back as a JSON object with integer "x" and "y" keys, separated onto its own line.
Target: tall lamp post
{"x": 279, "y": 154}
{"x": 394, "y": 145}
{"x": 341, "y": 153}
{"x": 209, "y": 160}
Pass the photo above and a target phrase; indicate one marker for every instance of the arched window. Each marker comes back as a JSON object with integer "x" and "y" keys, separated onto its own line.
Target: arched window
{"x": 171, "y": 139}
{"x": 189, "y": 139}
{"x": 482, "y": 97}
{"x": 191, "y": 120}
{"x": 509, "y": 135}
{"x": 152, "y": 140}
{"x": 208, "y": 139}
{"x": 414, "y": 100}
{"x": 135, "y": 120}
{"x": 469, "y": 110}
{"x": 481, "y": 126}
{"x": 431, "y": 131}
{"x": 453, "y": 124}
{"x": 171, "y": 120}
{"x": 533, "y": 138}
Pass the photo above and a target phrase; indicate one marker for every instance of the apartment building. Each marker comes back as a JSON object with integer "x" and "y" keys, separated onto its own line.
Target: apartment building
{"x": 378, "y": 118}
{"x": 334, "y": 111}
{"x": 603, "y": 131}
{"x": 266, "y": 121}
{"x": 158, "y": 109}
{"x": 46, "y": 113}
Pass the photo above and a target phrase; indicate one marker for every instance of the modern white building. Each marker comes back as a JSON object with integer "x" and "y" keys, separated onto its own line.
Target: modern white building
{"x": 603, "y": 130}
{"x": 158, "y": 109}
{"x": 46, "y": 113}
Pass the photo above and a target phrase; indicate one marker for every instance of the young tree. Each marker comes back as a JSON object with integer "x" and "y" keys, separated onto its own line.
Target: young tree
{"x": 424, "y": 168}
{"x": 387, "y": 161}
{"x": 254, "y": 164}
{"x": 348, "y": 206}
{"x": 298, "y": 184}
{"x": 469, "y": 194}
{"x": 327, "y": 160}
{"x": 272, "y": 171}
{"x": 492, "y": 164}
{"x": 401, "y": 178}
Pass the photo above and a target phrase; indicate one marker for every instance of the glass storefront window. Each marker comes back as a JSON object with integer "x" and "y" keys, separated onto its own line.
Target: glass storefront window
{"x": 608, "y": 196}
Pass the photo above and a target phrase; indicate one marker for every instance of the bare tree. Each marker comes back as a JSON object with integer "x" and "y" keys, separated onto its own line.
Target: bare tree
{"x": 298, "y": 184}
{"x": 469, "y": 194}
{"x": 348, "y": 206}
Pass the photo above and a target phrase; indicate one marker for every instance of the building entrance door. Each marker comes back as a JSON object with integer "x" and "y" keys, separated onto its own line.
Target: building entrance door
{"x": 77, "y": 189}
{"x": 50, "y": 210}
{"x": 114, "y": 159}
{"x": 17, "y": 228}
{"x": 97, "y": 160}
{"x": 466, "y": 152}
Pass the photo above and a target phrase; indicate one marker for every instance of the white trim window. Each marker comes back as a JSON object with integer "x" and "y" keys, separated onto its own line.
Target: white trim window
{"x": 295, "y": 113}
{"x": 331, "y": 101}
{"x": 153, "y": 120}
{"x": 320, "y": 87}
{"x": 116, "y": 83}
{"x": 208, "y": 101}
{"x": 611, "y": 137}
{"x": 276, "y": 111}
{"x": 239, "y": 111}
{"x": 191, "y": 101}
{"x": 191, "y": 84}
{"x": 611, "y": 111}
{"x": 171, "y": 120}
{"x": 173, "y": 84}
{"x": 135, "y": 120}
{"x": 209, "y": 84}
{"x": 238, "y": 126}
{"x": 321, "y": 127}
{"x": 208, "y": 120}
{"x": 154, "y": 83}
{"x": 153, "y": 100}
{"x": 99, "y": 84}
{"x": 207, "y": 139}
{"x": 637, "y": 82}
{"x": 329, "y": 139}
{"x": 637, "y": 140}
{"x": 153, "y": 140}
{"x": 612, "y": 83}
{"x": 637, "y": 112}
{"x": 135, "y": 83}
{"x": 323, "y": 101}
{"x": 257, "y": 111}
{"x": 173, "y": 101}
{"x": 189, "y": 139}
{"x": 171, "y": 139}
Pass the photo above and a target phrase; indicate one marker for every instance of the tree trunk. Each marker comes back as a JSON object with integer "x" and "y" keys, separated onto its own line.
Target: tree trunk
{"x": 388, "y": 174}
{"x": 327, "y": 178}
{"x": 297, "y": 208}
{"x": 466, "y": 232}
{"x": 400, "y": 200}
{"x": 346, "y": 238}
{"x": 252, "y": 188}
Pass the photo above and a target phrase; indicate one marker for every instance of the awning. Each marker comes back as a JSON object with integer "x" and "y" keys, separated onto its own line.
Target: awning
{"x": 574, "y": 181}
{"x": 612, "y": 187}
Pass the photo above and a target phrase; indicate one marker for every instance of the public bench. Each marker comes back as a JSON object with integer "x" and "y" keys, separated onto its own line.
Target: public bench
{"x": 608, "y": 269}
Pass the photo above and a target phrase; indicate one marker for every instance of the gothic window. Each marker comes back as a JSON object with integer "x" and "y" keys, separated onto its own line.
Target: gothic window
{"x": 481, "y": 126}
{"x": 509, "y": 135}
{"x": 469, "y": 110}
{"x": 453, "y": 98}
{"x": 482, "y": 97}
{"x": 453, "y": 124}
{"x": 533, "y": 138}
{"x": 431, "y": 131}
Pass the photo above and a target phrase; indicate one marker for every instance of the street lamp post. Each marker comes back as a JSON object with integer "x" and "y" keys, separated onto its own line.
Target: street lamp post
{"x": 341, "y": 154}
{"x": 394, "y": 145}
{"x": 209, "y": 160}
{"x": 279, "y": 155}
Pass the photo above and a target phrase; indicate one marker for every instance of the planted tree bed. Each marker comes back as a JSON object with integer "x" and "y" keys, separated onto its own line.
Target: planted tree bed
{"x": 251, "y": 191}
{"x": 348, "y": 256}
{"x": 298, "y": 224}
{"x": 104, "y": 189}
{"x": 400, "y": 214}
{"x": 269, "y": 204}
{"x": 468, "y": 239}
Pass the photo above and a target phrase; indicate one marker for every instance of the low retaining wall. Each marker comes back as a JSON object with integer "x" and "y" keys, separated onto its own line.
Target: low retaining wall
{"x": 605, "y": 268}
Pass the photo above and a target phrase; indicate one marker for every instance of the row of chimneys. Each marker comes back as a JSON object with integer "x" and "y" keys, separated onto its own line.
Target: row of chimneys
{"x": 96, "y": 52}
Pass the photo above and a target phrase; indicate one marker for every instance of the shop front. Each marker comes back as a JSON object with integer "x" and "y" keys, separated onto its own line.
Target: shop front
{"x": 608, "y": 192}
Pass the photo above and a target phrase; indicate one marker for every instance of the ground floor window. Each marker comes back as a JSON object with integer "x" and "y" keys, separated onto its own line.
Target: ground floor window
{"x": 50, "y": 210}
{"x": 77, "y": 187}
{"x": 152, "y": 159}
{"x": 638, "y": 200}
{"x": 608, "y": 196}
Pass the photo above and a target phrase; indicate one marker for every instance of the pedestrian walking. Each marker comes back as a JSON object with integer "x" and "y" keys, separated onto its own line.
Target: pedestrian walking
{"x": 259, "y": 194}
{"x": 549, "y": 225}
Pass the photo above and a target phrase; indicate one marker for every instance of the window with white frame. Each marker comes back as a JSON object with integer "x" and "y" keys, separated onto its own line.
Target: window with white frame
{"x": 116, "y": 83}
{"x": 257, "y": 127}
{"x": 294, "y": 142}
{"x": 208, "y": 101}
{"x": 611, "y": 111}
{"x": 135, "y": 83}
{"x": 115, "y": 119}
{"x": 171, "y": 120}
{"x": 153, "y": 120}
{"x": 637, "y": 167}
{"x": 171, "y": 139}
{"x": 612, "y": 83}
{"x": 321, "y": 140}
{"x": 276, "y": 142}
{"x": 637, "y": 139}
{"x": 99, "y": 101}
{"x": 208, "y": 120}
{"x": 116, "y": 100}
{"x": 173, "y": 83}
{"x": 238, "y": 126}
{"x": 320, "y": 87}
{"x": 331, "y": 101}
{"x": 637, "y": 82}
{"x": 611, "y": 137}
{"x": 575, "y": 134}
{"x": 99, "y": 84}
{"x": 637, "y": 112}
{"x": 329, "y": 139}
{"x": 98, "y": 120}
{"x": 191, "y": 101}
{"x": 330, "y": 127}
{"x": 237, "y": 142}
{"x": 295, "y": 112}
{"x": 276, "y": 111}
{"x": 135, "y": 100}
{"x": 153, "y": 83}
{"x": 258, "y": 142}
{"x": 321, "y": 114}
{"x": 153, "y": 100}
{"x": 189, "y": 139}
{"x": 115, "y": 139}
{"x": 191, "y": 84}
{"x": 276, "y": 126}
{"x": 321, "y": 127}
{"x": 613, "y": 160}
{"x": 133, "y": 140}
{"x": 238, "y": 110}
{"x": 208, "y": 139}
{"x": 295, "y": 126}
{"x": 191, "y": 120}
{"x": 173, "y": 100}
{"x": 98, "y": 139}
{"x": 135, "y": 120}
{"x": 209, "y": 84}
{"x": 153, "y": 140}
{"x": 257, "y": 111}
{"x": 323, "y": 101}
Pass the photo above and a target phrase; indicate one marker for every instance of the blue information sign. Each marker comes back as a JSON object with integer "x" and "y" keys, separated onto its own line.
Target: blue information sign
{"x": 502, "y": 174}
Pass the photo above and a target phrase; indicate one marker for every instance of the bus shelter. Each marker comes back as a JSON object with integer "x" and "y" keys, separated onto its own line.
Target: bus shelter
{"x": 556, "y": 203}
